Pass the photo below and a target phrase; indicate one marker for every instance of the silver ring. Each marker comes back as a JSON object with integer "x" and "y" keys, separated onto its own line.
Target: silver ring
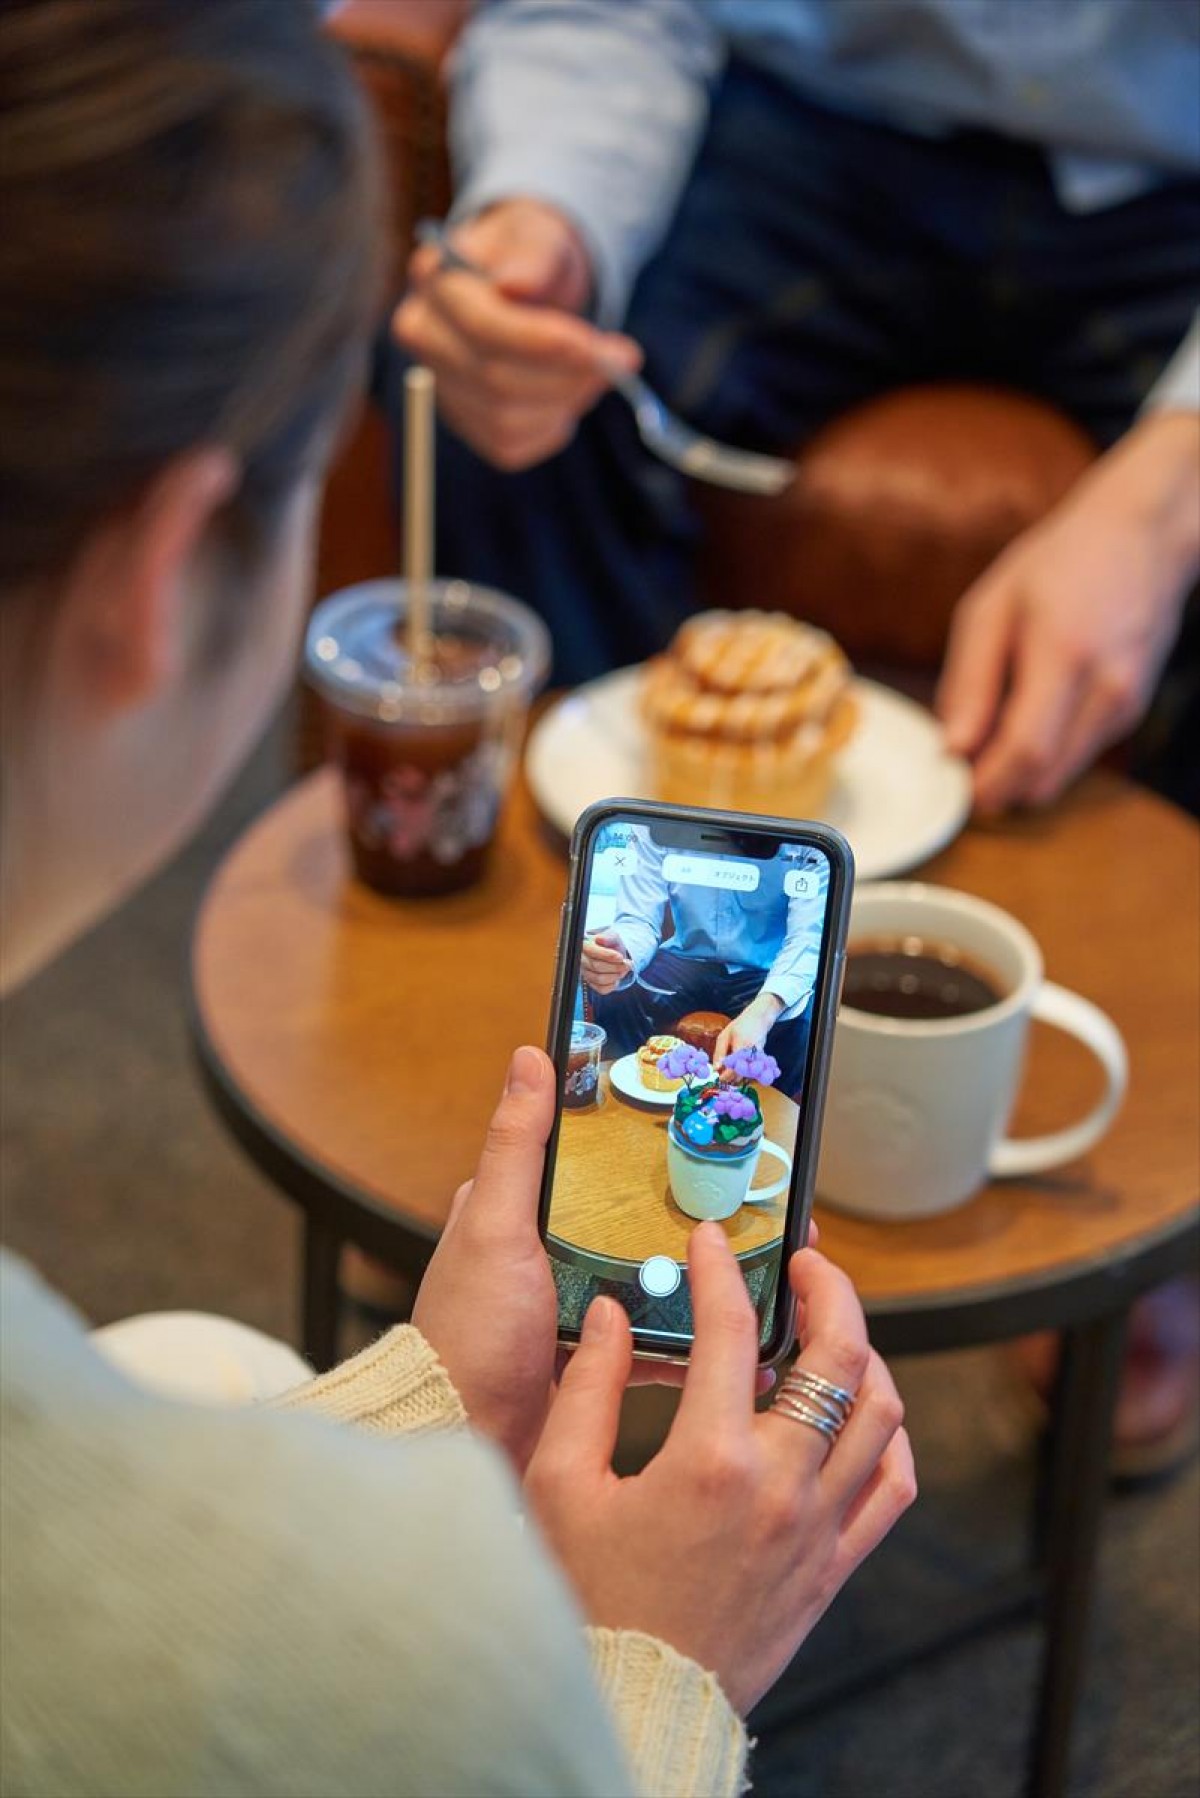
{"x": 835, "y": 1401}
{"x": 797, "y": 1412}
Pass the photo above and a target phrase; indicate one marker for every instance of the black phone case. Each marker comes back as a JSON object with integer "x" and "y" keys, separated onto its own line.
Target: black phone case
{"x": 826, "y": 996}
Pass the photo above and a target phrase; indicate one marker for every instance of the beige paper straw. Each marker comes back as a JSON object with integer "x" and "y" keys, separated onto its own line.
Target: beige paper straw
{"x": 418, "y": 517}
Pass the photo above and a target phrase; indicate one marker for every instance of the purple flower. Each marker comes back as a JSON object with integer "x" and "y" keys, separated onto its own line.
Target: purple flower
{"x": 752, "y": 1064}
{"x": 731, "y": 1102}
{"x": 685, "y": 1063}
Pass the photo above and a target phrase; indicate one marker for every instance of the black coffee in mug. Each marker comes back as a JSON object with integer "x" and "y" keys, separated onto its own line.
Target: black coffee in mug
{"x": 915, "y": 977}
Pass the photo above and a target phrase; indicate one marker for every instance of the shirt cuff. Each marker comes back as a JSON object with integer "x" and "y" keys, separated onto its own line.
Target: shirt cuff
{"x": 681, "y": 1735}
{"x": 397, "y": 1386}
{"x": 1178, "y": 387}
{"x": 792, "y": 990}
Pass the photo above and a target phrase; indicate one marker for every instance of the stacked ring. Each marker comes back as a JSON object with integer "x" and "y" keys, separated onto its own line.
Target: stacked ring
{"x": 806, "y": 1398}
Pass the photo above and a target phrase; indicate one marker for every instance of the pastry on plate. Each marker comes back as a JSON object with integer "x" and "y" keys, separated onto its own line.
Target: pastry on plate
{"x": 701, "y": 1029}
{"x": 748, "y": 710}
{"x": 649, "y": 1071}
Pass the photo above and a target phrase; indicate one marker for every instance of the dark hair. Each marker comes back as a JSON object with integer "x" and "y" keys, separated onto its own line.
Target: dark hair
{"x": 188, "y": 256}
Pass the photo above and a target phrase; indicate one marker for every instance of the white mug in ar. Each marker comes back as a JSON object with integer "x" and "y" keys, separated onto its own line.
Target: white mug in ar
{"x": 917, "y": 1108}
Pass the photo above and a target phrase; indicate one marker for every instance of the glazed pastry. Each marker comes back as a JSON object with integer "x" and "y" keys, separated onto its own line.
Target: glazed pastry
{"x": 701, "y": 1029}
{"x": 651, "y": 1074}
{"x": 748, "y": 710}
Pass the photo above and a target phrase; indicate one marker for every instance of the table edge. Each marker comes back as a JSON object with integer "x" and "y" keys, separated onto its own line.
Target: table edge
{"x": 905, "y": 1324}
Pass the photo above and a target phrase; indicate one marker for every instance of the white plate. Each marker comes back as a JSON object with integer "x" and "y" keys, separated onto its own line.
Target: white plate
{"x": 898, "y": 797}
{"x": 626, "y": 1077}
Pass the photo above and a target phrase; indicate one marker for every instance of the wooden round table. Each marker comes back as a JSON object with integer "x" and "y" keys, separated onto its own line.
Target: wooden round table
{"x": 355, "y": 1045}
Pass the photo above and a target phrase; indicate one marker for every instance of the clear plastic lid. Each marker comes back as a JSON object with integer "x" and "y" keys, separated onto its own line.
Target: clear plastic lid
{"x": 489, "y": 650}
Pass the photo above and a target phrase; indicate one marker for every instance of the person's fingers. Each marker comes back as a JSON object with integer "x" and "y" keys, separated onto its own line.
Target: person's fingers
{"x": 877, "y": 1415}
{"x": 880, "y": 1503}
{"x": 977, "y": 658}
{"x": 543, "y": 334}
{"x": 718, "y": 1394}
{"x": 599, "y": 952}
{"x": 508, "y": 1181}
{"x": 834, "y": 1345}
{"x": 1109, "y": 707}
{"x": 419, "y": 323}
{"x": 419, "y": 326}
{"x": 580, "y": 1432}
{"x": 1027, "y": 748}
{"x": 723, "y": 1046}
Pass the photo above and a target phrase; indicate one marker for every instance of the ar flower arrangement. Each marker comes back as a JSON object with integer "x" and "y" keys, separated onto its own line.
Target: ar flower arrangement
{"x": 717, "y": 1111}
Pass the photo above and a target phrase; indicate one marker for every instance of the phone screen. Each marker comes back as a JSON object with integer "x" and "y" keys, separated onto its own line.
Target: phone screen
{"x": 685, "y": 1049}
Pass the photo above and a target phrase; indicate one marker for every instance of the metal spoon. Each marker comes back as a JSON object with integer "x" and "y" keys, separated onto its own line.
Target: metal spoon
{"x": 665, "y": 435}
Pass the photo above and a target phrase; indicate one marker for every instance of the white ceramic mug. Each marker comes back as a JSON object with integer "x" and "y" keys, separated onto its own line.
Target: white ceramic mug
{"x": 710, "y": 1186}
{"x": 917, "y": 1107}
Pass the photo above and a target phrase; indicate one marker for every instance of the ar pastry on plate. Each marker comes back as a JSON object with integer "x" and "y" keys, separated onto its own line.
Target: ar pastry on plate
{"x": 649, "y": 1071}
{"x": 748, "y": 710}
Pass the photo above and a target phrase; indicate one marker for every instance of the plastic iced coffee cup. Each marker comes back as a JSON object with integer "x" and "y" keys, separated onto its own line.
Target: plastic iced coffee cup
{"x": 581, "y": 1080}
{"x": 426, "y": 762}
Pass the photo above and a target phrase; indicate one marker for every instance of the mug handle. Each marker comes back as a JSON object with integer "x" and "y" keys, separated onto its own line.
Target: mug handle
{"x": 1013, "y": 1157}
{"x": 759, "y": 1194}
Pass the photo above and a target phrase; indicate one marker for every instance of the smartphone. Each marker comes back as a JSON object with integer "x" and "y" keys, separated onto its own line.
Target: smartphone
{"x": 698, "y": 976}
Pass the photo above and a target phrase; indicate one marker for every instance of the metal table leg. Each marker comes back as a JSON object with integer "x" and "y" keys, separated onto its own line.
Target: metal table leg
{"x": 322, "y": 1299}
{"x": 1075, "y": 1495}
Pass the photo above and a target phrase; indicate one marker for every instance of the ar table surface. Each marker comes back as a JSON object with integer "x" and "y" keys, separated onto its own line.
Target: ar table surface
{"x": 612, "y": 1198}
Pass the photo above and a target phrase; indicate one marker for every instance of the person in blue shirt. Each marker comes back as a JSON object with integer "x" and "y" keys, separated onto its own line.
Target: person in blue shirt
{"x": 783, "y": 207}
{"x": 780, "y": 208}
{"x": 750, "y": 953}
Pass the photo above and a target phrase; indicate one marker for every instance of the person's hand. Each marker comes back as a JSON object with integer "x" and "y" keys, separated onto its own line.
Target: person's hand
{"x": 516, "y": 367}
{"x": 487, "y": 1304}
{"x": 1054, "y": 651}
{"x": 604, "y": 962}
{"x": 751, "y": 1027}
{"x": 735, "y": 1538}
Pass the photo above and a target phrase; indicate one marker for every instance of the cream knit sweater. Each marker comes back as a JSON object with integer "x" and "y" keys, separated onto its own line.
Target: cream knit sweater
{"x": 201, "y": 1601}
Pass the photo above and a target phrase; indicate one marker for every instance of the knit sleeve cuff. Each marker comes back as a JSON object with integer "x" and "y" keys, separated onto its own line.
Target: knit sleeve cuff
{"x": 396, "y": 1386}
{"x": 680, "y": 1733}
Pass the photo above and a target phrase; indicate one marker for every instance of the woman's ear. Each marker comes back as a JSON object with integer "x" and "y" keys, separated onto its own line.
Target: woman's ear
{"x": 128, "y": 603}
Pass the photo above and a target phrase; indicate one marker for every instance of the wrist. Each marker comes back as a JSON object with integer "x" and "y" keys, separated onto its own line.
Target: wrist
{"x": 1156, "y": 471}
{"x": 769, "y": 1006}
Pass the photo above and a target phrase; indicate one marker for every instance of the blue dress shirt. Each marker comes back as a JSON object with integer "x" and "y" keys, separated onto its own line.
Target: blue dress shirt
{"x": 770, "y": 928}
{"x": 598, "y": 106}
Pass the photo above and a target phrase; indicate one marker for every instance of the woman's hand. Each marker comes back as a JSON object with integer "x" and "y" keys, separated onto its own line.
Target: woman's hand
{"x": 732, "y": 1542}
{"x": 1054, "y": 651}
{"x": 516, "y": 367}
{"x": 750, "y": 1029}
{"x": 487, "y": 1303}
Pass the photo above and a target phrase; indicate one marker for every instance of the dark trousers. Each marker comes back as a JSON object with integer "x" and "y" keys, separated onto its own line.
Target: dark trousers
{"x": 683, "y": 984}
{"x": 816, "y": 260}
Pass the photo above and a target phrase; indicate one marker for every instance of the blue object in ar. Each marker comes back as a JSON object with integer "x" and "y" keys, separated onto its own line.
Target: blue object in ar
{"x": 699, "y": 1130}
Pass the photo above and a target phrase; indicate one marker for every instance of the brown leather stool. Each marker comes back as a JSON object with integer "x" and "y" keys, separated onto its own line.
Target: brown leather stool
{"x": 896, "y": 508}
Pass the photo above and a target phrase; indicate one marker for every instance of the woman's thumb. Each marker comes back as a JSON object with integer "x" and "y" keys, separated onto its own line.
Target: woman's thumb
{"x": 509, "y": 1178}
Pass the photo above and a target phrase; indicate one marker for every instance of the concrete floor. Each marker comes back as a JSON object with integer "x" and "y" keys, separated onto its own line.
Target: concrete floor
{"x": 121, "y": 1186}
